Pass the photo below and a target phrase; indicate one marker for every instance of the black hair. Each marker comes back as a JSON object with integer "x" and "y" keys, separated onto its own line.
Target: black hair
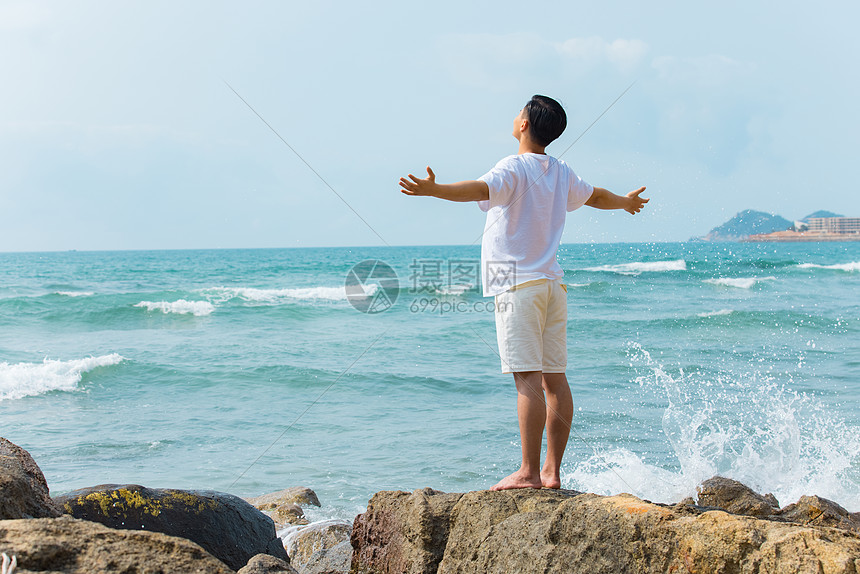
{"x": 547, "y": 119}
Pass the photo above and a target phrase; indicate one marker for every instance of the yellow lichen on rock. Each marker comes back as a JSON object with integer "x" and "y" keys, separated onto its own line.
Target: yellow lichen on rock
{"x": 175, "y": 499}
{"x": 121, "y": 501}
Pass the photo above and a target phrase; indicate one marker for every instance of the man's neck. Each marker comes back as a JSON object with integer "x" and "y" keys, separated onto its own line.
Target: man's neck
{"x": 528, "y": 146}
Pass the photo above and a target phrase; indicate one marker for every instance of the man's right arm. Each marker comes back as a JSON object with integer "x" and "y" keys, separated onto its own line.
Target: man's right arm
{"x": 473, "y": 190}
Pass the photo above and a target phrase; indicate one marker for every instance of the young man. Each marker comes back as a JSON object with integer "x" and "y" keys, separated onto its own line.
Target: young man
{"x": 526, "y": 197}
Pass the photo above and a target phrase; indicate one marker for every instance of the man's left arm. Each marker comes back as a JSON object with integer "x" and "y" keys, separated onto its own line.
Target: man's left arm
{"x": 604, "y": 199}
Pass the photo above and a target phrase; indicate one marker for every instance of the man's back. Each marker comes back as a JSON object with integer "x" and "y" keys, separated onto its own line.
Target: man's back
{"x": 529, "y": 197}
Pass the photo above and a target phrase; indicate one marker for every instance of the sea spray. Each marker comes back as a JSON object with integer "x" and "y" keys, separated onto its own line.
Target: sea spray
{"x": 750, "y": 426}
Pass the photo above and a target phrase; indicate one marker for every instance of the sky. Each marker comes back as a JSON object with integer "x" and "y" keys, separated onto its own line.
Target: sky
{"x": 120, "y": 129}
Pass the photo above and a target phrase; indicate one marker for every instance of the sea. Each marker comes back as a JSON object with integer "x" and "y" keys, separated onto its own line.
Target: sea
{"x": 359, "y": 369}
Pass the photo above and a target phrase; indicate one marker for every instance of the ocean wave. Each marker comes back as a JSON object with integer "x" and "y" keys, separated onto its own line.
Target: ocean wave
{"x": 720, "y": 313}
{"x": 181, "y": 307}
{"x": 850, "y": 267}
{"x": 639, "y": 267}
{"x": 75, "y": 293}
{"x": 29, "y": 379}
{"x": 738, "y": 282}
{"x": 254, "y": 295}
{"x": 456, "y": 289}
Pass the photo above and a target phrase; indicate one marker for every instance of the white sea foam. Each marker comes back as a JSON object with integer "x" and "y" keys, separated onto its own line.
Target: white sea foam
{"x": 289, "y": 533}
{"x": 181, "y": 307}
{"x": 456, "y": 289}
{"x": 719, "y": 313}
{"x": 738, "y": 282}
{"x": 28, "y": 379}
{"x": 253, "y": 295}
{"x": 639, "y": 267}
{"x": 620, "y": 470}
{"x": 746, "y": 426}
{"x": 75, "y": 293}
{"x": 850, "y": 267}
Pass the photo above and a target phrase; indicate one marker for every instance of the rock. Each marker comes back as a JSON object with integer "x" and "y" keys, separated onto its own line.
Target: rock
{"x": 567, "y": 532}
{"x": 295, "y": 495}
{"x": 68, "y": 546}
{"x": 402, "y": 532}
{"x": 321, "y": 547}
{"x": 23, "y": 490}
{"x": 771, "y": 499}
{"x": 733, "y": 496}
{"x": 286, "y": 514}
{"x": 265, "y": 564}
{"x": 814, "y": 510}
{"x": 225, "y": 525}
{"x": 334, "y": 560}
{"x": 283, "y": 506}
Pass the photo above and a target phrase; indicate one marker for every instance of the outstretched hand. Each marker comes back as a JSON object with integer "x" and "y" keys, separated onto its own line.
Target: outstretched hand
{"x": 636, "y": 203}
{"x": 415, "y": 186}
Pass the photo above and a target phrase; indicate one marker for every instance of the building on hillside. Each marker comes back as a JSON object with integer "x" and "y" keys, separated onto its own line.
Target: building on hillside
{"x": 816, "y": 229}
{"x": 834, "y": 224}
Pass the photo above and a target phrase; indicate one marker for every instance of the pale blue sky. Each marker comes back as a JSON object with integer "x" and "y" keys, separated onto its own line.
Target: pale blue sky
{"x": 118, "y": 131}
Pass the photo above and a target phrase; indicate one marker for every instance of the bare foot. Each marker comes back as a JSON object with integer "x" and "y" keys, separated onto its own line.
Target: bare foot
{"x": 518, "y": 480}
{"x": 550, "y": 480}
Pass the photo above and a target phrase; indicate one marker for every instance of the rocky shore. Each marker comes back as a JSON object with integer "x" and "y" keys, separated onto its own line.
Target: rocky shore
{"x": 133, "y": 529}
{"x": 137, "y": 530}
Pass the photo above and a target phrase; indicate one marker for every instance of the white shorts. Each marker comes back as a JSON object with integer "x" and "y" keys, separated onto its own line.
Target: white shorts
{"x": 531, "y": 327}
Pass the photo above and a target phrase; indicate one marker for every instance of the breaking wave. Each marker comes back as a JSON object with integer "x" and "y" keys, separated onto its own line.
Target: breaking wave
{"x": 253, "y": 295}
{"x": 850, "y": 267}
{"x": 181, "y": 307}
{"x": 639, "y": 267}
{"x": 720, "y": 313}
{"x": 738, "y": 282}
{"x": 29, "y": 379}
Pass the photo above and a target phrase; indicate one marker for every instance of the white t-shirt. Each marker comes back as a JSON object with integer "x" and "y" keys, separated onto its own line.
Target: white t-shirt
{"x": 530, "y": 195}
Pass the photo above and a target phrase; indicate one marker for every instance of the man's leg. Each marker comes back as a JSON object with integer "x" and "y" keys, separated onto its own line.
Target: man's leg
{"x": 559, "y": 414}
{"x": 532, "y": 415}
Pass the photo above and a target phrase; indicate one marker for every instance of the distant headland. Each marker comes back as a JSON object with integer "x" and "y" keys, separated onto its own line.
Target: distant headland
{"x": 758, "y": 226}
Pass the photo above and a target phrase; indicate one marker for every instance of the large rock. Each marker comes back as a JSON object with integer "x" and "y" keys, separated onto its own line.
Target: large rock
{"x": 225, "y": 525}
{"x": 567, "y": 532}
{"x": 23, "y": 490}
{"x": 69, "y": 546}
{"x": 735, "y": 497}
{"x": 321, "y": 547}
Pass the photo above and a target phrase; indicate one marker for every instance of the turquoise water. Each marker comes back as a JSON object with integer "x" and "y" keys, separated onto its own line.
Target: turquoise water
{"x": 249, "y": 371}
